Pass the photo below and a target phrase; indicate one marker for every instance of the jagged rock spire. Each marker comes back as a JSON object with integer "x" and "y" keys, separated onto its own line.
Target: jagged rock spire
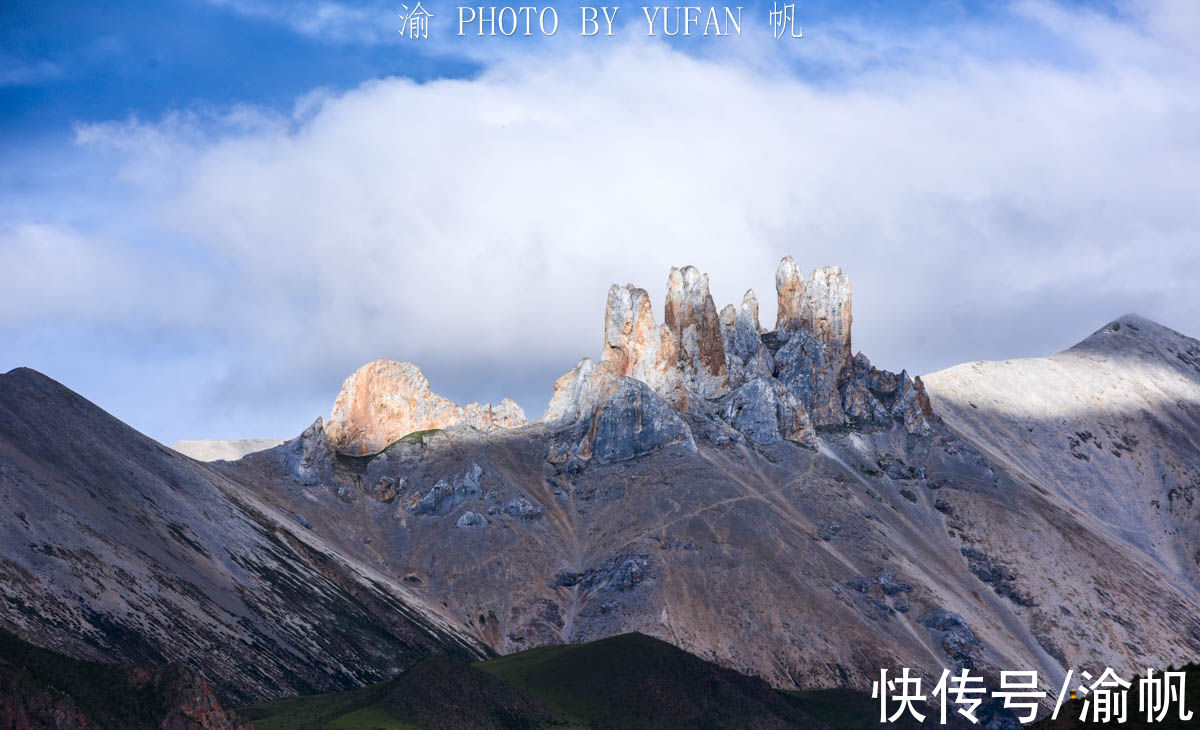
{"x": 819, "y": 304}
{"x": 789, "y": 286}
{"x": 746, "y": 357}
{"x": 691, "y": 321}
{"x": 827, "y": 311}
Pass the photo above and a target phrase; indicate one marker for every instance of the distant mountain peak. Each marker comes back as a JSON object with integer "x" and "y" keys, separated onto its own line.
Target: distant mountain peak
{"x": 1132, "y": 333}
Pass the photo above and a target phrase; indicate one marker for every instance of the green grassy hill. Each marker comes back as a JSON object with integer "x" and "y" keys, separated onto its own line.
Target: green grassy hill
{"x": 631, "y": 682}
{"x": 628, "y": 682}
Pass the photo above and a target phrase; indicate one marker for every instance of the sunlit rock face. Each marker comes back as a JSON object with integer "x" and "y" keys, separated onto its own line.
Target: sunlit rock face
{"x": 384, "y": 400}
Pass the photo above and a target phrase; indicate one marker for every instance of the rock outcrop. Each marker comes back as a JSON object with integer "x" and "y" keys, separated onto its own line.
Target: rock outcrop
{"x": 384, "y": 400}
{"x": 766, "y": 386}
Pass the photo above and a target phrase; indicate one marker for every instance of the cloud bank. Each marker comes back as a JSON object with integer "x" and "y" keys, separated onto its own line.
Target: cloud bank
{"x": 985, "y": 202}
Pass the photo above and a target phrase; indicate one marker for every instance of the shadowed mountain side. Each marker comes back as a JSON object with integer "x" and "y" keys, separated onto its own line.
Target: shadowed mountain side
{"x": 116, "y": 548}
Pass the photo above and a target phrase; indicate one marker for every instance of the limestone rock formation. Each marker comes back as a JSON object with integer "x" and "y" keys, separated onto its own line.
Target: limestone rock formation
{"x": 789, "y": 286}
{"x": 765, "y": 411}
{"x": 814, "y": 325}
{"x": 384, "y": 400}
{"x": 726, "y": 375}
{"x": 691, "y": 322}
{"x": 309, "y": 455}
{"x": 576, "y": 392}
{"x": 636, "y": 346}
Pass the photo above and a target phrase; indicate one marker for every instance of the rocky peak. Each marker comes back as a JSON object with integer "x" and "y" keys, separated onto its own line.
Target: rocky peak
{"x": 385, "y": 400}
{"x": 826, "y": 311}
{"x": 635, "y": 345}
{"x": 767, "y": 386}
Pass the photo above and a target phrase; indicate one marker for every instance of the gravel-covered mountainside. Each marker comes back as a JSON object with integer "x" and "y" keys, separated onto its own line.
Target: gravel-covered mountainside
{"x": 116, "y": 548}
{"x": 765, "y": 499}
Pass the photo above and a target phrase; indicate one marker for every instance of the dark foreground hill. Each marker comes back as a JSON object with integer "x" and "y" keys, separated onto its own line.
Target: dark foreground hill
{"x": 44, "y": 689}
{"x": 630, "y": 681}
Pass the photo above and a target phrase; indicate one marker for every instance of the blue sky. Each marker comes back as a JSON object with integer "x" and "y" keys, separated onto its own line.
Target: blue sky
{"x": 212, "y": 212}
{"x": 65, "y": 62}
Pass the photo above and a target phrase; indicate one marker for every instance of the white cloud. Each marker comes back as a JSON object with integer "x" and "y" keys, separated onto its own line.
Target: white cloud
{"x": 984, "y": 206}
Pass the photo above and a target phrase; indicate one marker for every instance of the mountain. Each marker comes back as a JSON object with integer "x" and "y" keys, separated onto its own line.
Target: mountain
{"x": 115, "y": 548}
{"x": 766, "y": 500}
{"x": 1109, "y": 429}
{"x": 44, "y": 689}
{"x": 213, "y": 450}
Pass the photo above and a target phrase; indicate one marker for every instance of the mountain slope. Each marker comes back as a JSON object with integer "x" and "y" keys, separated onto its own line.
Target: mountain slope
{"x": 116, "y": 548}
{"x": 1110, "y": 427}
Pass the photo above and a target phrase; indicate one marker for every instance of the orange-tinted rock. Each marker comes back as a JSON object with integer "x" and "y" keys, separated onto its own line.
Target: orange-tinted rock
{"x": 691, "y": 322}
{"x": 385, "y": 400}
{"x": 636, "y": 346}
{"x": 789, "y": 286}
